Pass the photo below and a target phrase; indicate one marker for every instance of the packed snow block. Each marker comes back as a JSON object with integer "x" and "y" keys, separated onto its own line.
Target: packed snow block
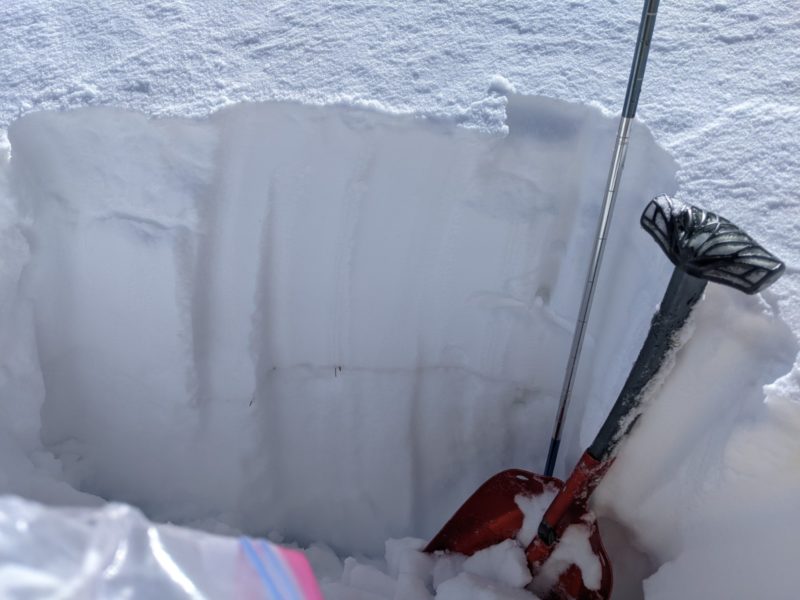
{"x": 295, "y": 318}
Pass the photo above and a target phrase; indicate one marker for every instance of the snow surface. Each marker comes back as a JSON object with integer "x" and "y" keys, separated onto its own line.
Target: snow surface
{"x": 154, "y": 272}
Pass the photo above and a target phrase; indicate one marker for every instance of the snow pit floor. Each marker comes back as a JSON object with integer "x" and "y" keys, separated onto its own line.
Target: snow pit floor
{"x": 335, "y": 323}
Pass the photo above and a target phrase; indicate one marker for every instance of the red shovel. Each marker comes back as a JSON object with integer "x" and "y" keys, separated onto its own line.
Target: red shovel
{"x": 703, "y": 247}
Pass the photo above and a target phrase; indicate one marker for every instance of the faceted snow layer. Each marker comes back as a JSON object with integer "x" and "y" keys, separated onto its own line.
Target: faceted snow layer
{"x": 335, "y": 323}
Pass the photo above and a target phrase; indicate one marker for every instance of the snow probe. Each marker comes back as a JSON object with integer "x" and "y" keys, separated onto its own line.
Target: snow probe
{"x": 646, "y": 26}
{"x": 703, "y": 247}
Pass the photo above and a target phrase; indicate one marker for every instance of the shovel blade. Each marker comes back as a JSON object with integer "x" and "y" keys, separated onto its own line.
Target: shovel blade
{"x": 491, "y": 515}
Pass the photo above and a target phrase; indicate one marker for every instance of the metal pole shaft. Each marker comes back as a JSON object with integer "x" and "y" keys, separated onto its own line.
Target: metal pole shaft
{"x": 646, "y": 27}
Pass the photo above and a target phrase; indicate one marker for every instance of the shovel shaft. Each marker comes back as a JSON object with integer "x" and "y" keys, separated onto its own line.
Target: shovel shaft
{"x": 682, "y": 294}
{"x": 570, "y": 501}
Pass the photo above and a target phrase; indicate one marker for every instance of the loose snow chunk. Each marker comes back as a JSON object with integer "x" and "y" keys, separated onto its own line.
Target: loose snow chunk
{"x": 504, "y": 562}
{"x": 326, "y": 565}
{"x": 406, "y": 574}
{"x": 472, "y": 587}
{"x": 574, "y": 548}
{"x": 533, "y": 507}
{"x": 368, "y": 579}
{"x": 410, "y": 587}
{"x": 405, "y": 557}
{"x": 501, "y": 85}
{"x": 447, "y": 566}
{"x": 340, "y": 591}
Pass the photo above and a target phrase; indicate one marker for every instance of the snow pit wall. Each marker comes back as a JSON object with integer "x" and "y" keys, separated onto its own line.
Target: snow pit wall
{"x": 299, "y": 319}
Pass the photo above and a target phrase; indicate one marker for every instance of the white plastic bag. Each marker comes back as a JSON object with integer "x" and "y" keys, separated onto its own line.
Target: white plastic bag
{"x": 114, "y": 552}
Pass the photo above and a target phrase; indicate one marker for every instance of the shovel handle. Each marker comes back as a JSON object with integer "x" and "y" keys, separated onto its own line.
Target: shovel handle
{"x": 703, "y": 247}
{"x": 570, "y": 501}
{"x": 682, "y": 294}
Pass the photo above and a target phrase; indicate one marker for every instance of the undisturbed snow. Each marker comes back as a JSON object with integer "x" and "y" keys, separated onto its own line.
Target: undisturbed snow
{"x": 194, "y": 312}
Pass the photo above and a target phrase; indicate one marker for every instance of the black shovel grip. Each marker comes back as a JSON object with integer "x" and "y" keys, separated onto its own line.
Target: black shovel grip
{"x": 710, "y": 247}
{"x": 703, "y": 247}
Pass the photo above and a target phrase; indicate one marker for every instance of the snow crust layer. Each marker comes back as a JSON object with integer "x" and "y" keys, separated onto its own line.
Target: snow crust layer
{"x": 301, "y": 319}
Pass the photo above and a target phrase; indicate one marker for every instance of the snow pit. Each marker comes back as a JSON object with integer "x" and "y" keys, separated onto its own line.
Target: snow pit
{"x": 335, "y": 323}
{"x": 292, "y": 318}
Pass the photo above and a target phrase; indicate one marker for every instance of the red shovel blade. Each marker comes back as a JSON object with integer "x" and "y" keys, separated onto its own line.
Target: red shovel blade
{"x": 492, "y": 515}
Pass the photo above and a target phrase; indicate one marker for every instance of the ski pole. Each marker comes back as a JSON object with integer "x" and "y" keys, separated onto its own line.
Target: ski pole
{"x": 646, "y": 26}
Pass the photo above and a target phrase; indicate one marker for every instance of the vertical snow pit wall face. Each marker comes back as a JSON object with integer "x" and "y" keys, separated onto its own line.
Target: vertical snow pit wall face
{"x": 111, "y": 198}
{"x": 300, "y": 319}
{"x": 21, "y": 388}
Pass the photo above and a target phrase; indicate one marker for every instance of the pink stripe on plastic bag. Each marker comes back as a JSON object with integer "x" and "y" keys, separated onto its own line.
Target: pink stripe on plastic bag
{"x": 275, "y": 573}
{"x": 302, "y": 573}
